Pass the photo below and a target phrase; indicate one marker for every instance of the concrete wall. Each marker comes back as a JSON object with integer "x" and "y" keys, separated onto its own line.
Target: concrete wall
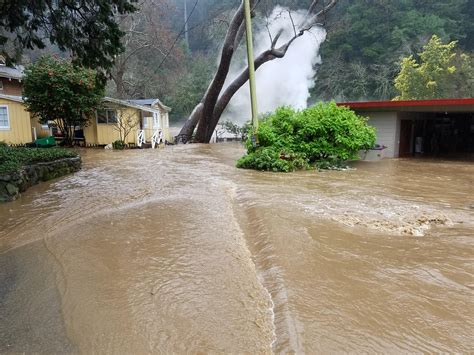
{"x": 388, "y": 130}
{"x": 19, "y": 131}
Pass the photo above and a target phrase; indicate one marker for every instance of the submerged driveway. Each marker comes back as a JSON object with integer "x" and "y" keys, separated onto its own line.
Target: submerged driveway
{"x": 175, "y": 250}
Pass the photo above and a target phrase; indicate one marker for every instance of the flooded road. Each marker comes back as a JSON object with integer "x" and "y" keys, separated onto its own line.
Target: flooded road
{"x": 175, "y": 250}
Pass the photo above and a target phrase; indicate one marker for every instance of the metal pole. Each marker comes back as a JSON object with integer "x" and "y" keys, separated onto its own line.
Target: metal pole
{"x": 253, "y": 94}
{"x": 186, "y": 32}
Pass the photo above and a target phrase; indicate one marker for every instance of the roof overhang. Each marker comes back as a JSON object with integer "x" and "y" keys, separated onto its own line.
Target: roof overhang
{"x": 12, "y": 98}
{"x": 163, "y": 106}
{"x": 152, "y": 102}
{"x": 438, "y": 105}
{"x": 11, "y": 73}
{"x": 124, "y": 103}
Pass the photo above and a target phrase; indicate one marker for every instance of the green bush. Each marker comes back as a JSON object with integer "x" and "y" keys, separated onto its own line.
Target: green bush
{"x": 13, "y": 159}
{"x": 118, "y": 144}
{"x": 323, "y": 136}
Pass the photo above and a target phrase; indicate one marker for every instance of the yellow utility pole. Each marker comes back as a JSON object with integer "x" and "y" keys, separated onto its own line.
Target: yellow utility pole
{"x": 253, "y": 93}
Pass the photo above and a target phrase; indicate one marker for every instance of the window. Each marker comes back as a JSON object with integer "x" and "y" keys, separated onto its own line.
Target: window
{"x": 106, "y": 116}
{"x": 111, "y": 116}
{"x": 4, "y": 119}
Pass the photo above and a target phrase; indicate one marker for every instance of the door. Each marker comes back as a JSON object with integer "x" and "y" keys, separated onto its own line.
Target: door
{"x": 406, "y": 128}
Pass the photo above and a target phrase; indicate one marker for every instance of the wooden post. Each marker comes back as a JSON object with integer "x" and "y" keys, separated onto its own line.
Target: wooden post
{"x": 250, "y": 58}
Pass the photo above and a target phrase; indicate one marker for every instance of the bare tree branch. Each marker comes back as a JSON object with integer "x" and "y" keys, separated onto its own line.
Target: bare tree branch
{"x": 214, "y": 102}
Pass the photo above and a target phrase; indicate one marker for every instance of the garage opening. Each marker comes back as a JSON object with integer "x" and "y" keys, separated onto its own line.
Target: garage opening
{"x": 437, "y": 134}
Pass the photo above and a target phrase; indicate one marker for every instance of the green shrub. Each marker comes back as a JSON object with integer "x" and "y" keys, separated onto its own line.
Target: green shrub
{"x": 323, "y": 136}
{"x": 13, "y": 159}
{"x": 118, "y": 144}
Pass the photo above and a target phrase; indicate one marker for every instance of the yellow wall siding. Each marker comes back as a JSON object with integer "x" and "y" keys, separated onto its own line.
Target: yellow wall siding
{"x": 166, "y": 127}
{"x": 106, "y": 134}
{"x": 101, "y": 133}
{"x": 90, "y": 133}
{"x": 20, "y": 124}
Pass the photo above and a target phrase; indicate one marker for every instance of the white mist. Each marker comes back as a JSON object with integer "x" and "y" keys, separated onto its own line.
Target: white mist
{"x": 282, "y": 81}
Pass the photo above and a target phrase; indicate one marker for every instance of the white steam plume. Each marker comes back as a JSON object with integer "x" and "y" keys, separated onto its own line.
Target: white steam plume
{"x": 283, "y": 81}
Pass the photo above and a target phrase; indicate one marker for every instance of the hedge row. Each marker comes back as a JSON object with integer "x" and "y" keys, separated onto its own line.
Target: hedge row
{"x": 13, "y": 159}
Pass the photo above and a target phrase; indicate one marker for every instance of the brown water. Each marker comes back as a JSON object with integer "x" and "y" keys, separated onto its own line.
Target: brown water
{"x": 175, "y": 250}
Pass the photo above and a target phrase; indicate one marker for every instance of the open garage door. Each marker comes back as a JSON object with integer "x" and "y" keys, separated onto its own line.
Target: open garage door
{"x": 443, "y": 134}
{"x": 438, "y": 127}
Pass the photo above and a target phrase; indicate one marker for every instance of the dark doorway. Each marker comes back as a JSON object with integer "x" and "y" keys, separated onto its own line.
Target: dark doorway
{"x": 406, "y": 127}
{"x": 437, "y": 134}
{"x": 448, "y": 134}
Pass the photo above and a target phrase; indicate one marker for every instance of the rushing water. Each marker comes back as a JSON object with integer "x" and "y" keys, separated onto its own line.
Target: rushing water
{"x": 175, "y": 250}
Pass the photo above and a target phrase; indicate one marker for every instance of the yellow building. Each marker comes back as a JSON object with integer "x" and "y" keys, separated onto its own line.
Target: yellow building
{"x": 115, "y": 119}
{"x": 119, "y": 117}
{"x": 15, "y": 121}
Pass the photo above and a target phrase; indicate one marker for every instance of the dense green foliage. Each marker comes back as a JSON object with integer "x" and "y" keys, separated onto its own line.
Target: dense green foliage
{"x": 366, "y": 42}
{"x": 56, "y": 89}
{"x": 322, "y": 135}
{"x": 87, "y": 28}
{"x": 119, "y": 144}
{"x": 367, "y": 39}
{"x": 441, "y": 73}
{"x": 13, "y": 159}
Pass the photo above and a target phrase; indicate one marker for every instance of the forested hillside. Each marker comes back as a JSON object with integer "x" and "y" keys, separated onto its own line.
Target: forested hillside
{"x": 361, "y": 57}
{"x": 367, "y": 39}
{"x": 171, "y": 46}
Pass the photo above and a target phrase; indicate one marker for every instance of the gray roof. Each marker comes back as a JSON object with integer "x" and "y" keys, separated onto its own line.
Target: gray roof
{"x": 147, "y": 102}
{"x": 150, "y": 102}
{"x": 127, "y": 103}
{"x": 11, "y": 72}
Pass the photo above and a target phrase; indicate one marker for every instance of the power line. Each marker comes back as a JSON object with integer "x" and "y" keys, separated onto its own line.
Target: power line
{"x": 178, "y": 36}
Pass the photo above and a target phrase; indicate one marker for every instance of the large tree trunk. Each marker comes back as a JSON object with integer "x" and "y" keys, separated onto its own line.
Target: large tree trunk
{"x": 207, "y": 113}
{"x": 187, "y": 131}
{"x": 210, "y": 98}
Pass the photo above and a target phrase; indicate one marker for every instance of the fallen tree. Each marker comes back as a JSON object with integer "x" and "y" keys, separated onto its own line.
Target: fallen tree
{"x": 207, "y": 113}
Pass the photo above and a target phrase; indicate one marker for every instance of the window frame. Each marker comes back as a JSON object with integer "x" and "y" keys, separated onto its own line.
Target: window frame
{"x": 107, "y": 112}
{"x": 8, "y": 127}
{"x": 115, "y": 115}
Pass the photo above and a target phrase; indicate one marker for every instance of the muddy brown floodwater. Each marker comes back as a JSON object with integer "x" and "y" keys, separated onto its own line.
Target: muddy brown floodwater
{"x": 175, "y": 250}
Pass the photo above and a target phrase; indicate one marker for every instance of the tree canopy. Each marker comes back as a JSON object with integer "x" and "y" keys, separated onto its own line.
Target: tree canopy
{"x": 58, "y": 90}
{"x": 439, "y": 73}
{"x": 85, "y": 28}
{"x": 367, "y": 39}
